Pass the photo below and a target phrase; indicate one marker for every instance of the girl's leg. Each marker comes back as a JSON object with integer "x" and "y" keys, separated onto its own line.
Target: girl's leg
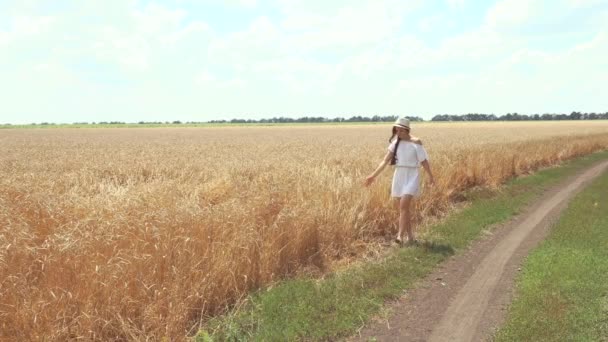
{"x": 397, "y": 203}
{"x": 405, "y": 223}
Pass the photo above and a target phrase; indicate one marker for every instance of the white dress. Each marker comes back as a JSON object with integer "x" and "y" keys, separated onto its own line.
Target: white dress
{"x": 406, "y": 179}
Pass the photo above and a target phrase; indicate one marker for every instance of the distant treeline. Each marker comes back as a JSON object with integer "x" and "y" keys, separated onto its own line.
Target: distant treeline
{"x": 521, "y": 117}
{"x": 375, "y": 118}
{"x": 305, "y": 119}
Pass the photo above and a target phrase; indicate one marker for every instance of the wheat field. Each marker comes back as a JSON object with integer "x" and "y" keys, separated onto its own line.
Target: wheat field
{"x": 136, "y": 234}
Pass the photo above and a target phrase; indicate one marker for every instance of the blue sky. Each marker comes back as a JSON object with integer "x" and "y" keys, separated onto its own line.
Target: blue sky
{"x": 131, "y": 60}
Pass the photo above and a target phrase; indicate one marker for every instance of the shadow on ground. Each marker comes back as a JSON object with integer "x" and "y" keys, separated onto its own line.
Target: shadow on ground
{"x": 436, "y": 248}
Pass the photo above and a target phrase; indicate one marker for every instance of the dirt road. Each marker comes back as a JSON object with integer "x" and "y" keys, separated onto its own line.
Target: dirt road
{"x": 466, "y": 298}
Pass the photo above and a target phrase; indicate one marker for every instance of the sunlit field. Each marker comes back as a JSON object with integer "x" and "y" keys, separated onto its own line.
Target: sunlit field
{"x": 135, "y": 234}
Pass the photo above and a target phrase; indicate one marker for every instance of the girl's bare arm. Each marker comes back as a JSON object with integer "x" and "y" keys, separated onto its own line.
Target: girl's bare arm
{"x": 427, "y": 168}
{"x": 416, "y": 140}
{"x": 387, "y": 158}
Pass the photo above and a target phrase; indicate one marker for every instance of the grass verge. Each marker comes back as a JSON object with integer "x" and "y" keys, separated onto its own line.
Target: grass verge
{"x": 310, "y": 309}
{"x": 563, "y": 288}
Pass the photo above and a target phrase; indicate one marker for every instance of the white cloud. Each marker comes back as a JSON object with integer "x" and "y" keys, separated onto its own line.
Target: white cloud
{"x": 153, "y": 19}
{"x": 286, "y": 51}
{"x": 317, "y": 56}
{"x": 5, "y": 38}
{"x": 204, "y": 78}
{"x": 130, "y": 50}
{"x": 23, "y": 26}
{"x": 149, "y": 35}
{"x": 529, "y": 80}
{"x": 233, "y": 83}
{"x": 261, "y": 41}
{"x": 509, "y": 13}
{"x": 29, "y": 25}
{"x": 456, "y": 3}
{"x": 228, "y": 3}
{"x": 246, "y": 3}
{"x": 504, "y": 72}
{"x": 427, "y": 24}
{"x": 354, "y": 27}
{"x": 585, "y": 3}
{"x": 337, "y": 24}
{"x": 193, "y": 28}
{"x": 476, "y": 45}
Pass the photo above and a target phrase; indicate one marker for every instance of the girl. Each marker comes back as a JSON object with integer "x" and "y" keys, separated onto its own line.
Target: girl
{"x": 407, "y": 154}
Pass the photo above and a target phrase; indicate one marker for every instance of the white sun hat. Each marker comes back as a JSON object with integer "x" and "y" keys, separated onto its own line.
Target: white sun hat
{"x": 402, "y": 122}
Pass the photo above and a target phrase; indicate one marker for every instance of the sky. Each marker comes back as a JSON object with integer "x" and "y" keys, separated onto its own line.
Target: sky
{"x": 67, "y": 61}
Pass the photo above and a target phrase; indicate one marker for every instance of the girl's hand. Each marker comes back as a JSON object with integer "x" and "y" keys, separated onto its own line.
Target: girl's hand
{"x": 369, "y": 180}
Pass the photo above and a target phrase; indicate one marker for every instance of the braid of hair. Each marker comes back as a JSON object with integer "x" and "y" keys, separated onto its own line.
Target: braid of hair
{"x": 394, "y": 159}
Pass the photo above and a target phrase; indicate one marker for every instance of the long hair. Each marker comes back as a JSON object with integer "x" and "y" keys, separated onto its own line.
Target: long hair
{"x": 390, "y": 140}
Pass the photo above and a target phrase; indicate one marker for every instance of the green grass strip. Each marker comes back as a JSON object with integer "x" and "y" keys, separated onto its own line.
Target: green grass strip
{"x": 562, "y": 293}
{"x": 309, "y": 309}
